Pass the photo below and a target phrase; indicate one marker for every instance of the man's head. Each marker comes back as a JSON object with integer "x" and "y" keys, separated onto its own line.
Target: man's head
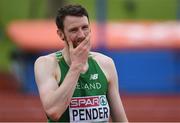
{"x": 73, "y": 24}
{"x": 69, "y": 10}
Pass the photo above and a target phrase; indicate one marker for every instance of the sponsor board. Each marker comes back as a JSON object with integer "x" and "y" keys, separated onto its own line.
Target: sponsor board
{"x": 91, "y": 108}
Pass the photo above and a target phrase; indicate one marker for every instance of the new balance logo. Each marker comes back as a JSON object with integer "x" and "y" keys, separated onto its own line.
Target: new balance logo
{"x": 94, "y": 76}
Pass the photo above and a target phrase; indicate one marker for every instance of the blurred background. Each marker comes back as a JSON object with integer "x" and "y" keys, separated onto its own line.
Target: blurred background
{"x": 142, "y": 36}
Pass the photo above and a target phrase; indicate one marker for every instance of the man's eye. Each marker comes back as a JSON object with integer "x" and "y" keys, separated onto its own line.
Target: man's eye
{"x": 85, "y": 27}
{"x": 73, "y": 30}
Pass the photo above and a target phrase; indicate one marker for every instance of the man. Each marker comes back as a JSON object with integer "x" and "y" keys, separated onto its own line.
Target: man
{"x": 75, "y": 84}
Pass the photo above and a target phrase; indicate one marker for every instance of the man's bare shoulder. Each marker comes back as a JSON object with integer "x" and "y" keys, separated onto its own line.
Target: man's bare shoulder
{"x": 101, "y": 58}
{"x": 46, "y": 67}
{"x": 46, "y": 60}
{"x": 50, "y": 58}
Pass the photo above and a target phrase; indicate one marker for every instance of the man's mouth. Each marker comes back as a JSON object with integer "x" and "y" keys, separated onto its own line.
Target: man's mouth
{"x": 76, "y": 43}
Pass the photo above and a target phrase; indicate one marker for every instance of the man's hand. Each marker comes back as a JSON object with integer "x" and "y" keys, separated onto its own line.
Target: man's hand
{"x": 79, "y": 55}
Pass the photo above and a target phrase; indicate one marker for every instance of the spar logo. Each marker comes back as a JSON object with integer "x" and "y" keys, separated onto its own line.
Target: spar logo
{"x": 91, "y": 108}
{"x": 84, "y": 102}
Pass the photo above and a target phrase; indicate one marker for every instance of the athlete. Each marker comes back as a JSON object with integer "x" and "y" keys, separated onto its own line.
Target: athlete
{"x": 76, "y": 85}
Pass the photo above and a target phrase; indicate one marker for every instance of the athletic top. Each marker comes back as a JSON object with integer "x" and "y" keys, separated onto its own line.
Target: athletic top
{"x": 89, "y": 102}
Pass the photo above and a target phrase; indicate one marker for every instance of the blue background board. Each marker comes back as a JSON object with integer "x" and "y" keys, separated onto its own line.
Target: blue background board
{"x": 148, "y": 71}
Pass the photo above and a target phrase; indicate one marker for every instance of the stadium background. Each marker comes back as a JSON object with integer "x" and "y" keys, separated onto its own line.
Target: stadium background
{"x": 149, "y": 76}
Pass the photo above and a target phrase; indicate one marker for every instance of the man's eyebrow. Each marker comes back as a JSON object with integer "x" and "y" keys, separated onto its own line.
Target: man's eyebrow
{"x": 73, "y": 28}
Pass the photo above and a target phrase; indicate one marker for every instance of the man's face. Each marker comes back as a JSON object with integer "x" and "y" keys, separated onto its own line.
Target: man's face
{"x": 76, "y": 29}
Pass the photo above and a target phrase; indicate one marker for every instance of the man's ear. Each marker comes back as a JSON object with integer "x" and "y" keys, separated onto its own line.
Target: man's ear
{"x": 61, "y": 34}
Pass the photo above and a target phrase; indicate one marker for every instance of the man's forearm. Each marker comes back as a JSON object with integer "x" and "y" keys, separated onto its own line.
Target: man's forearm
{"x": 59, "y": 100}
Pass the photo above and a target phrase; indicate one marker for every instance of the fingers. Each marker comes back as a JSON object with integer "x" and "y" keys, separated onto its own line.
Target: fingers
{"x": 70, "y": 45}
{"x": 84, "y": 48}
{"x": 84, "y": 43}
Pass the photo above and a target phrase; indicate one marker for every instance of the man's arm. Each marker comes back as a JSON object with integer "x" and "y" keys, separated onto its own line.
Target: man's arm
{"x": 116, "y": 107}
{"x": 55, "y": 99}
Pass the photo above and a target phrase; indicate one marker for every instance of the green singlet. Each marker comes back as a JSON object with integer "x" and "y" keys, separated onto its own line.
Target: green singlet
{"x": 89, "y": 102}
